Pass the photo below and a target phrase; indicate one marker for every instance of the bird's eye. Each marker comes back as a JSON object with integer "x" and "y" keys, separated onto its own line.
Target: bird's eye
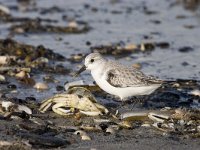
{"x": 92, "y": 60}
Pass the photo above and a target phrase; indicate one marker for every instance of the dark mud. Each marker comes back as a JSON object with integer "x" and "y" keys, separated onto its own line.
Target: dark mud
{"x": 46, "y": 41}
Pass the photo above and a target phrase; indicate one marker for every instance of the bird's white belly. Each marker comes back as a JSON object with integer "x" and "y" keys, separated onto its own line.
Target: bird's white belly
{"x": 123, "y": 92}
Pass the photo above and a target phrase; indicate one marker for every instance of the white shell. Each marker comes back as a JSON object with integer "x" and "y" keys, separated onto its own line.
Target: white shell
{"x": 6, "y": 104}
{"x": 25, "y": 108}
{"x": 41, "y": 86}
{"x": 83, "y": 134}
{"x": 4, "y": 9}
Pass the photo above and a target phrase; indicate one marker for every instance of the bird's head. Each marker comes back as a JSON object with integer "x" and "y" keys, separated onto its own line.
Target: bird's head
{"x": 91, "y": 62}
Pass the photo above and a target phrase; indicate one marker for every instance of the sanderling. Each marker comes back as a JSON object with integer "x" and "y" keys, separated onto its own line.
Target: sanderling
{"x": 117, "y": 79}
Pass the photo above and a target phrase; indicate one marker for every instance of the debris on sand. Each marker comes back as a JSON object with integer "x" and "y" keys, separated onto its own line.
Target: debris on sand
{"x": 36, "y": 26}
{"x": 80, "y": 99}
{"x": 122, "y": 49}
{"x": 27, "y": 58}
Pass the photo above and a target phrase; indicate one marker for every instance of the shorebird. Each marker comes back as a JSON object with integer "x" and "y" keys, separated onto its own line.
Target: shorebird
{"x": 117, "y": 79}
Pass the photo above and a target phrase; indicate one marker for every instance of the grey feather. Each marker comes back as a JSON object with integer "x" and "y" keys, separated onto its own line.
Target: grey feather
{"x": 121, "y": 76}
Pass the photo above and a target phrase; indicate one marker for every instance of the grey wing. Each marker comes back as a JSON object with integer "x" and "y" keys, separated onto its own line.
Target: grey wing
{"x": 127, "y": 77}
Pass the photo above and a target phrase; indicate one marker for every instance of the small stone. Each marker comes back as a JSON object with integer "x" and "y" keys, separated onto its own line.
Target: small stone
{"x": 185, "y": 63}
{"x": 163, "y": 45}
{"x": 21, "y": 75}
{"x": 198, "y": 128}
{"x": 195, "y": 92}
{"x": 73, "y": 24}
{"x": 59, "y": 88}
{"x": 41, "y": 86}
{"x": 185, "y": 49}
{"x": 11, "y": 86}
{"x": 2, "y": 78}
{"x": 131, "y": 47}
{"x": 88, "y": 43}
{"x": 30, "y": 99}
{"x": 137, "y": 66}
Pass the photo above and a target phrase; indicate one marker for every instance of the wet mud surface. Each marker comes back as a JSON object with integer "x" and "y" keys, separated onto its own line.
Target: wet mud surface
{"x": 42, "y": 43}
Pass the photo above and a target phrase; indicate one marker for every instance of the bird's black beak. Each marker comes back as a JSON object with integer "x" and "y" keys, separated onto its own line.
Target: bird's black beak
{"x": 83, "y": 68}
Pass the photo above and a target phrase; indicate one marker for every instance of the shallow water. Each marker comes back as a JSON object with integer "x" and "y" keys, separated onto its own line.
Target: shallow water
{"x": 124, "y": 21}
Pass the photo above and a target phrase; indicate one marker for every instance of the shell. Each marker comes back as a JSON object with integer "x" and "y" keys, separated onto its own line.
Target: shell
{"x": 134, "y": 116}
{"x": 83, "y": 134}
{"x": 79, "y": 98}
{"x": 41, "y": 86}
{"x": 158, "y": 117}
{"x": 2, "y": 78}
{"x": 25, "y": 108}
{"x": 70, "y": 84}
{"x": 6, "y": 104}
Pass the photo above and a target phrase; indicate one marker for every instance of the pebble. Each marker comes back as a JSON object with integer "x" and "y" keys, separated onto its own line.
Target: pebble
{"x": 137, "y": 66}
{"x": 185, "y": 49}
{"x": 59, "y": 88}
{"x": 41, "y": 86}
{"x": 195, "y": 92}
{"x": 88, "y": 43}
{"x": 30, "y": 98}
{"x": 21, "y": 74}
{"x": 11, "y": 86}
{"x": 73, "y": 24}
{"x": 2, "y": 78}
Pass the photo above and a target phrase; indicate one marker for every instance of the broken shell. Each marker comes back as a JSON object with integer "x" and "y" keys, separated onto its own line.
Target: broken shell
{"x": 158, "y": 117}
{"x": 5, "y": 143}
{"x": 2, "y": 78}
{"x": 181, "y": 122}
{"x": 6, "y": 104}
{"x": 73, "y": 24}
{"x": 5, "y": 9}
{"x": 41, "y": 86}
{"x": 198, "y": 128}
{"x": 146, "y": 125}
{"x": 38, "y": 121}
{"x": 142, "y": 47}
{"x": 131, "y": 47}
{"x": 70, "y": 84}
{"x": 125, "y": 124}
{"x": 25, "y": 108}
{"x": 137, "y": 66}
{"x": 83, "y": 134}
{"x": 40, "y": 60}
{"x": 134, "y": 116}
{"x": 195, "y": 92}
{"x": 90, "y": 128}
{"x": 111, "y": 129}
{"x": 157, "y": 125}
{"x": 6, "y": 59}
{"x": 179, "y": 114}
{"x": 17, "y": 108}
{"x": 163, "y": 127}
{"x": 101, "y": 121}
{"x": 21, "y": 74}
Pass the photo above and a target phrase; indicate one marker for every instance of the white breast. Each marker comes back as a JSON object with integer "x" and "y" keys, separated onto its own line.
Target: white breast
{"x": 122, "y": 92}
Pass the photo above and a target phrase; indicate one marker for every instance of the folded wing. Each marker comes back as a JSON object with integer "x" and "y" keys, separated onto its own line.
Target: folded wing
{"x": 129, "y": 77}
